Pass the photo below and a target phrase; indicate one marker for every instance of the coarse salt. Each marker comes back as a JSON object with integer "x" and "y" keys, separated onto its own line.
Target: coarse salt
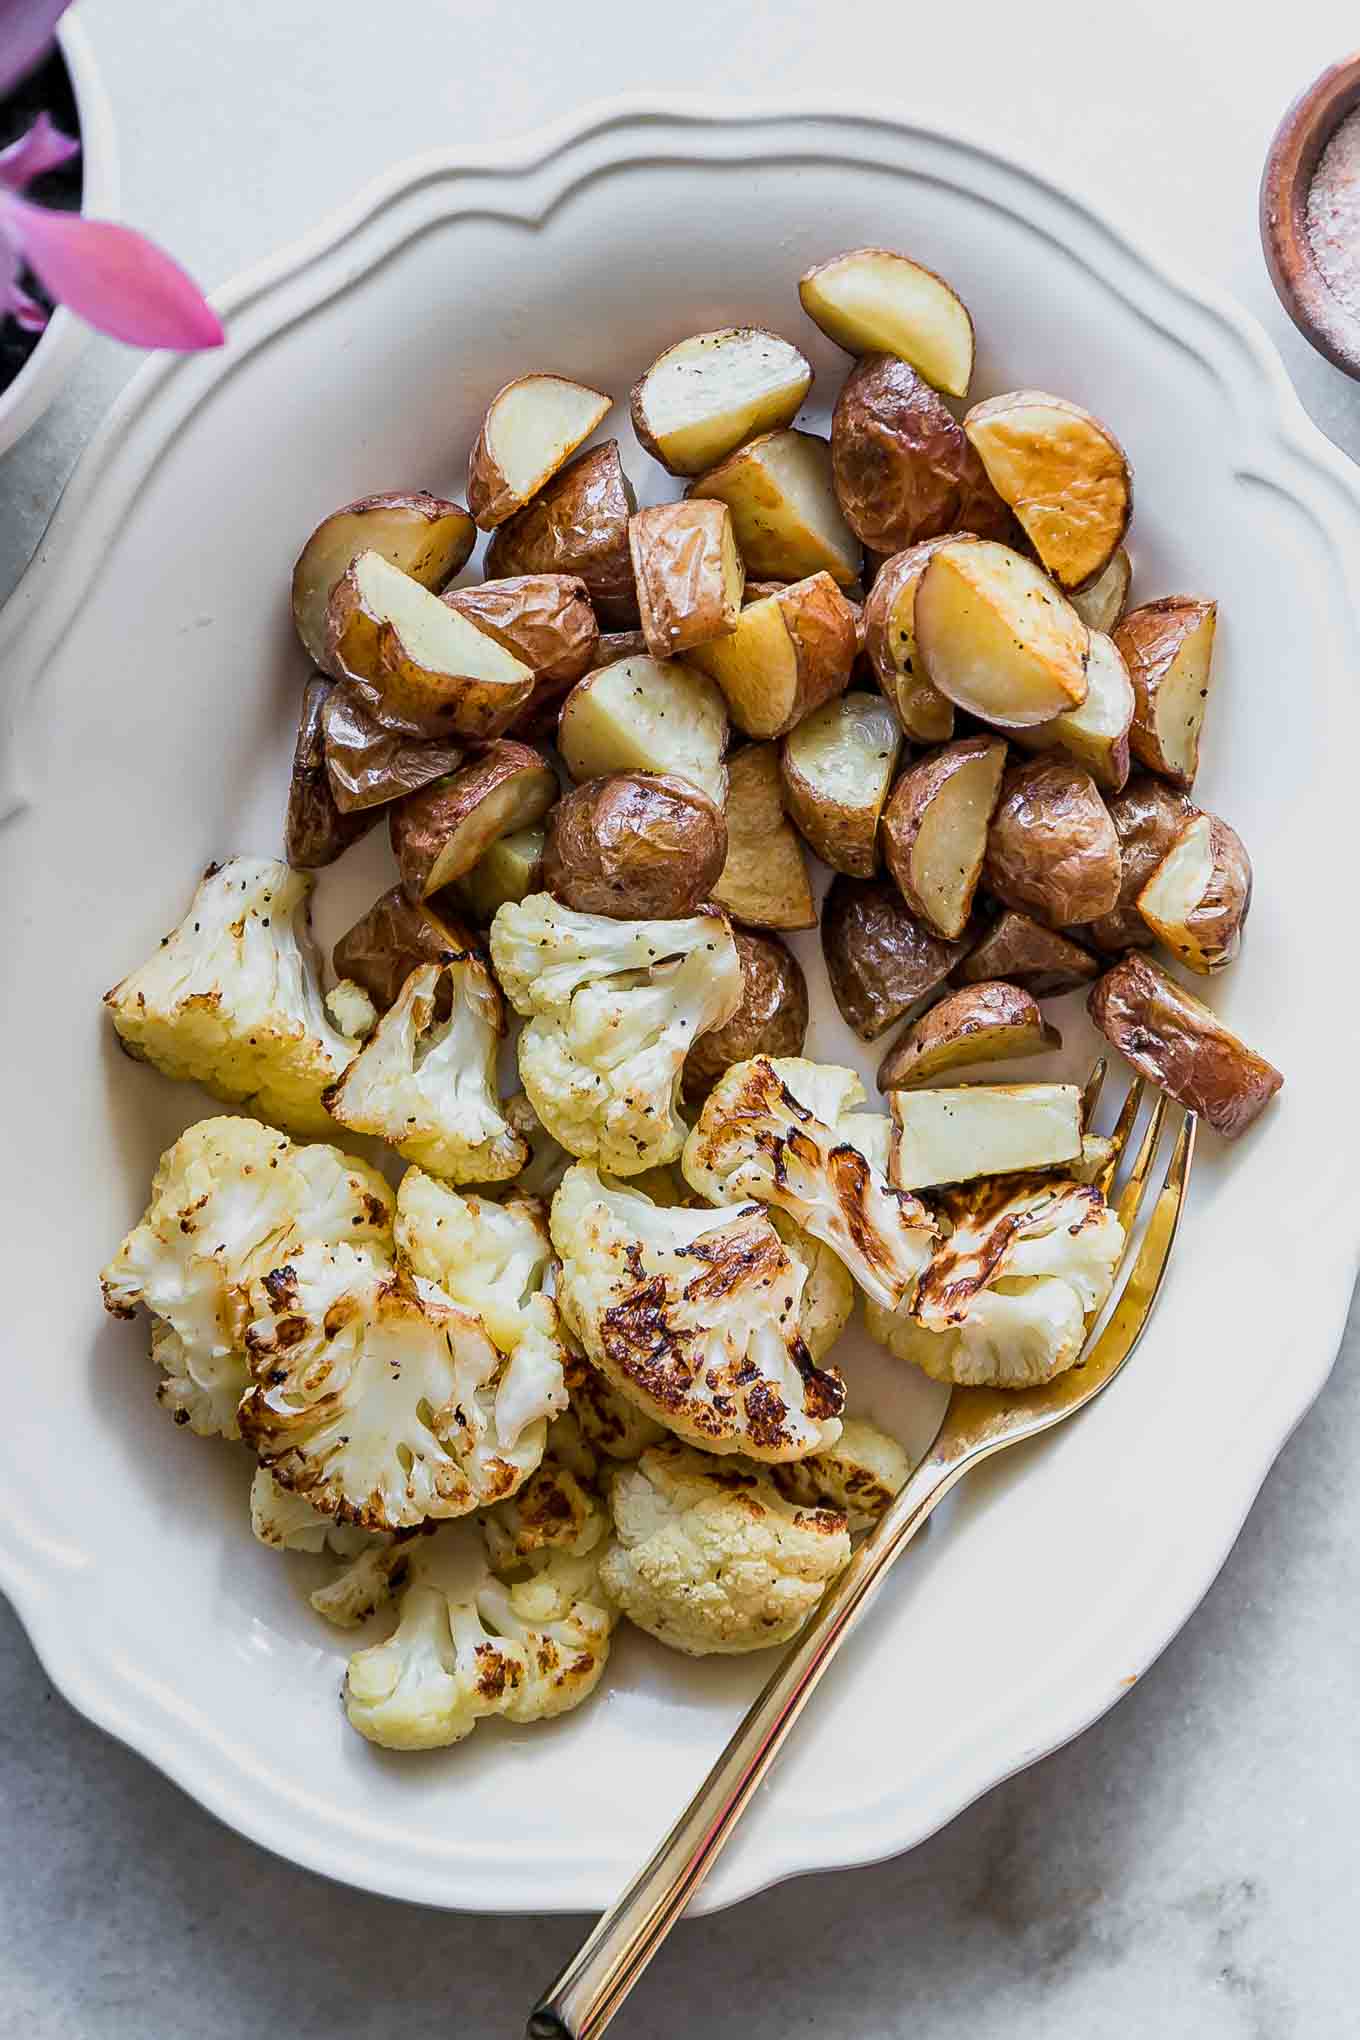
{"x": 1334, "y": 214}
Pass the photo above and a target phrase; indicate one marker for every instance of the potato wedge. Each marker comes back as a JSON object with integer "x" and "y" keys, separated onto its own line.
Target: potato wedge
{"x": 1168, "y": 647}
{"x": 532, "y": 426}
{"x": 765, "y": 879}
{"x": 391, "y": 940}
{"x": 789, "y": 653}
{"x": 635, "y": 846}
{"x": 980, "y": 1023}
{"x": 547, "y": 622}
{"x": 1052, "y": 850}
{"x": 955, "y": 1135}
{"x": 1199, "y": 895}
{"x": 772, "y": 1018}
{"x": 1097, "y": 733}
{"x": 646, "y": 715}
{"x": 1148, "y": 816}
{"x": 618, "y": 644}
{"x": 881, "y": 961}
{"x": 1173, "y": 1037}
{"x": 689, "y": 574}
{"x": 440, "y": 833}
{"x": 1101, "y": 604}
{"x": 1063, "y": 473}
{"x": 926, "y": 715}
{"x": 996, "y": 637}
{"x": 871, "y": 301}
{"x": 902, "y": 468}
{"x": 703, "y": 397}
{"x": 837, "y": 767}
{"x": 785, "y": 515}
{"x": 506, "y": 873}
{"x": 421, "y": 666}
{"x": 424, "y": 536}
{"x": 935, "y": 829}
{"x": 316, "y": 828}
{"x": 1025, "y": 953}
{"x": 367, "y": 764}
{"x": 576, "y": 524}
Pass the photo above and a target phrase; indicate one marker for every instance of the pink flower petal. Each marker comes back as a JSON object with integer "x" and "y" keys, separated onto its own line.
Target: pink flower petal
{"x": 43, "y": 148}
{"x": 15, "y": 303}
{"x": 113, "y": 277}
{"x": 26, "y": 31}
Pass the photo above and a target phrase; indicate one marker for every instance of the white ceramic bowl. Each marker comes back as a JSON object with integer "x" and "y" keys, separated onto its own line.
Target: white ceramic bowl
{"x": 153, "y": 680}
{"x": 50, "y": 364}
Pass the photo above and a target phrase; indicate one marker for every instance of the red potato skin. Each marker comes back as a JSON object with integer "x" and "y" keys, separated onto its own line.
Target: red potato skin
{"x": 1149, "y": 638}
{"x": 902, "y": 467}
{"x": 547, "y": 621}
{"x": 772, "y": 1018}
{"x": 1023, "y": 952}
{"x": 316, "y": 829}
{"x": 1172, "y": 1037}
{"x": 634, "y": 846}
{"x": 421, "y": 825}
{"x": 391, "y": 940}
{"x": 368, "y": 764}
{"x": 577, "y": 524}
{"x": 1052, "y": 850}
{"x": 881, "y": 960}
{"x": 1148, "y": 816}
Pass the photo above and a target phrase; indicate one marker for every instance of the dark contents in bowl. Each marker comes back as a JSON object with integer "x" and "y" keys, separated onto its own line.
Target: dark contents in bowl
{"x": 46, "y": 90}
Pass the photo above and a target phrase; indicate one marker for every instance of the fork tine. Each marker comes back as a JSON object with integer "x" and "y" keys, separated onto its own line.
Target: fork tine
{"x": 1123, "y": 1128}
{"x": 1091, "y": 1090}
{"x": 1124, "y": 1326}
{"x": 1131, "y": 1196}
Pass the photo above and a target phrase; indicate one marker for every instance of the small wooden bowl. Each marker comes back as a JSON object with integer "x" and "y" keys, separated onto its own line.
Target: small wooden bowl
{"x": 1299, "y": 141}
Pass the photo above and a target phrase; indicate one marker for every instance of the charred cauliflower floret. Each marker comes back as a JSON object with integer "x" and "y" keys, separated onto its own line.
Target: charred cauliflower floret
{"x": 374, "y": 1562}
{"x": 609, "y": 1421}
{"x": 828, "y": 1293}
{"x": 1005, "y": 1300}
{"x": 613, "y": 1008}
{"x": 694, "y": 1315}
{"x": 375, "y": 1402}
{"x": 711, "y": 1557}
{"x": 860, "y": 1474}
{"x": 428, "y": 1086}
{"x": 231, "y": 999}
{"x": 231, "y": 1200}
{"x": 783, "y": 1130}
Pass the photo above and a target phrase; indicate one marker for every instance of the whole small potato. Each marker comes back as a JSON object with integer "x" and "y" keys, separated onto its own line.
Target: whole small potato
{"x": 1052, "y": 848}
{"x": 772, "y": 1018}
{"x": 636, "y": 846}
{"x": 902, "y": 467}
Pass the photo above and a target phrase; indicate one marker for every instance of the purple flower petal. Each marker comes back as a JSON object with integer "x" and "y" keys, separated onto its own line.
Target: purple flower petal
{"x": 26, "y": 31}
{"x": 112, "y": 276}
{"x": 43, "y": 148}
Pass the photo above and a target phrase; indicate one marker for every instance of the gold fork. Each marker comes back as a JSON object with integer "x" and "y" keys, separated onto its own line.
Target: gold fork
{"x": 976, "y": 1422}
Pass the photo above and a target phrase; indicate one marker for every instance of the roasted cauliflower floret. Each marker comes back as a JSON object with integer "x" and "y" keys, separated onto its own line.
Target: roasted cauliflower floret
{"x": 829, "y": 1292}
{"x": 860, "y": 1474}
{"x": 231, "y": 998}
{"x": 548, "y": 1160}
{"x": 375, "y": 1402}
{"x": 231, "y": 1200}
{"x": 694, "y": 1315}
{"x": 711, "y": 1557}
{"x": 613, "y": 1008}
{"x": 609, "y": 1421}
{"x": 375, "y": 1563}
{"x": 428, "y": 1085}
{"x": 1005, "y": 1300}
{"x": 351, "y": 1010}
{"x": 555, "y": 1511}
{"x": 782, "y": 1129}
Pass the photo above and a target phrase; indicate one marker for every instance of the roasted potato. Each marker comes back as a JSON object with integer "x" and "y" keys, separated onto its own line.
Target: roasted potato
{"x": 955, "y": 1135}
{"x": 391, "y": 940}
{"x": 1171, "y": 1036}
{"x": 546, "y": 620}
{"x": 440, "y": 833}
{"x": 881, "y": 961}
{"x": 637, "y": 846}
{"x": 996, "y": 637}
{"x": 902, "y": 468}
{"x": 790, "y": 652}
{"x": 1052, "y": 848}
{"x": 1025, "y": 953}
{"x": 422, "y": 535}
{"x": 531, "y": 428}
{"x": 1148, "y": 816}
{"x": 871, "y": 301}
{"x": 1063, "y": 473}
{"x": 934, "y": 829}
{"x": 646, "y": 715}
{"x": 1102, "y": 603}
{"x": 765, "y": 879}
{"x": 980, "y": 1023}
{"x": 577, "y": 524}
{"x": 772, "y": 1018}
{"x": 1197, "y": 898}
{"x": 421, "y": 666}
{"x": 618, "y": 644}
{"x": 508, "y": 871}
{"x": 926, "y": 715}
{"x": 368, "y": 764}
{"x": 837, "y": 767}
{"x": 1097, "y": 733}
{"x": 1168, "y": 648}
{"x": 316, "y": 829}
{"x": 784, "y": 510}
{"x": 708, "y": 394}
{"x": 689, "y": 574}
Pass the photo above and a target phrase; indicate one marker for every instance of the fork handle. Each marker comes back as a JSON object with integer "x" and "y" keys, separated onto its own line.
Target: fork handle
{"x": 590, "y": 1990}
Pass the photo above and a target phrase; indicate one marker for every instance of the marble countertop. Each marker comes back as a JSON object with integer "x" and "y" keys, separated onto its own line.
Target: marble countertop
{"x": 1187, "y": 1868}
